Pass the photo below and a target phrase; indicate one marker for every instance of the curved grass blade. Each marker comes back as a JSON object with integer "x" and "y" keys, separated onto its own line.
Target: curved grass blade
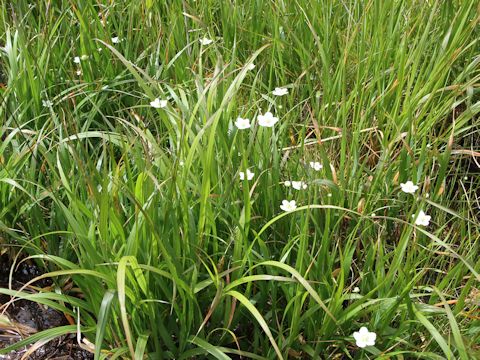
{"x": 45, "y": 335}
{"x": 254, "y": 311}
{"x": 141, "y": 345}
{"x": 212, "y": 350}
{"x": 103, "y": 317}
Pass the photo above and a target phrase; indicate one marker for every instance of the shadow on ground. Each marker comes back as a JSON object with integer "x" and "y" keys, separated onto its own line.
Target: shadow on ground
{"x": 23, "y": 318}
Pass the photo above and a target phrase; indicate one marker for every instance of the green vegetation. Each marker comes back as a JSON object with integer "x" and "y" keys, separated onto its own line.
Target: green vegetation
{"x": 157, "y": 247}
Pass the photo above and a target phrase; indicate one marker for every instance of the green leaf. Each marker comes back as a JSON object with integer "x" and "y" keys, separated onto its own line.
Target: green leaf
{"x": 256, "y": 314}
{"x": 212, "y": 350}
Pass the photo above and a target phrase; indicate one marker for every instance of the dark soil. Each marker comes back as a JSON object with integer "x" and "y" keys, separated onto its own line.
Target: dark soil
{"x": 29, "y": 318}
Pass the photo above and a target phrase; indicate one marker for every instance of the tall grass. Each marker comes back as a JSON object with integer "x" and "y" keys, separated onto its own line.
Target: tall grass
{"x": 138, "y": 214}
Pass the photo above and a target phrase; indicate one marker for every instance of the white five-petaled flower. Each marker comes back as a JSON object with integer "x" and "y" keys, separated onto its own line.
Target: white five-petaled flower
{"x": 242, "y": 124}
{"x": 78, "y": 72}
{"x": 422, "y": 219}
{"x": 158, "y": 104}
{"x": 76, "y": 59}
{"x": 46, "y": 103}
{"x": 288, "y": 206}
{"x": 315, "y": 165}
{"x": 205, "y": 41}
{"x": 115, "y": 40}
{"x": 280, "y": 91}
{"x": 267, "y": 120}
{"x": 356, "y": 290}
{"x": 251, "y": 66}
{"x": 299, "y": 185}
{"x": 250, "y": 175}
{"x": 409, "y": 187}
{"x": 364, "y": 338}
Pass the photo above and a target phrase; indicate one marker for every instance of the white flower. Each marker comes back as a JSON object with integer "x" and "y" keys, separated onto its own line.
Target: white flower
{"x": 46, "y": 103}
{"x": 288, "y": 205}
{"x": 267, "y": 120}
{"x": 78, "y": 72}
{"x": 287, "y": 183}
{"x": 422, "y": 219}
{"x": 250, "y": 175}
{"x": 76, "y": 60}
{"x": 280, "y": 91}
{"x": 315, "y": 165}
{"x": 115, "y": 40}
{"x": 409, "y": 187}
{"x": 251, "y": 66}
{"x": 99, "y": 49}
{"x": 363, "y": 337}
{"x": 242, "y": 124}
{"x": 356, "y": 290}
{"x": 158, "y": 104}
{"x": 205, "y": 41}
{"x": 299, "y": 185}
